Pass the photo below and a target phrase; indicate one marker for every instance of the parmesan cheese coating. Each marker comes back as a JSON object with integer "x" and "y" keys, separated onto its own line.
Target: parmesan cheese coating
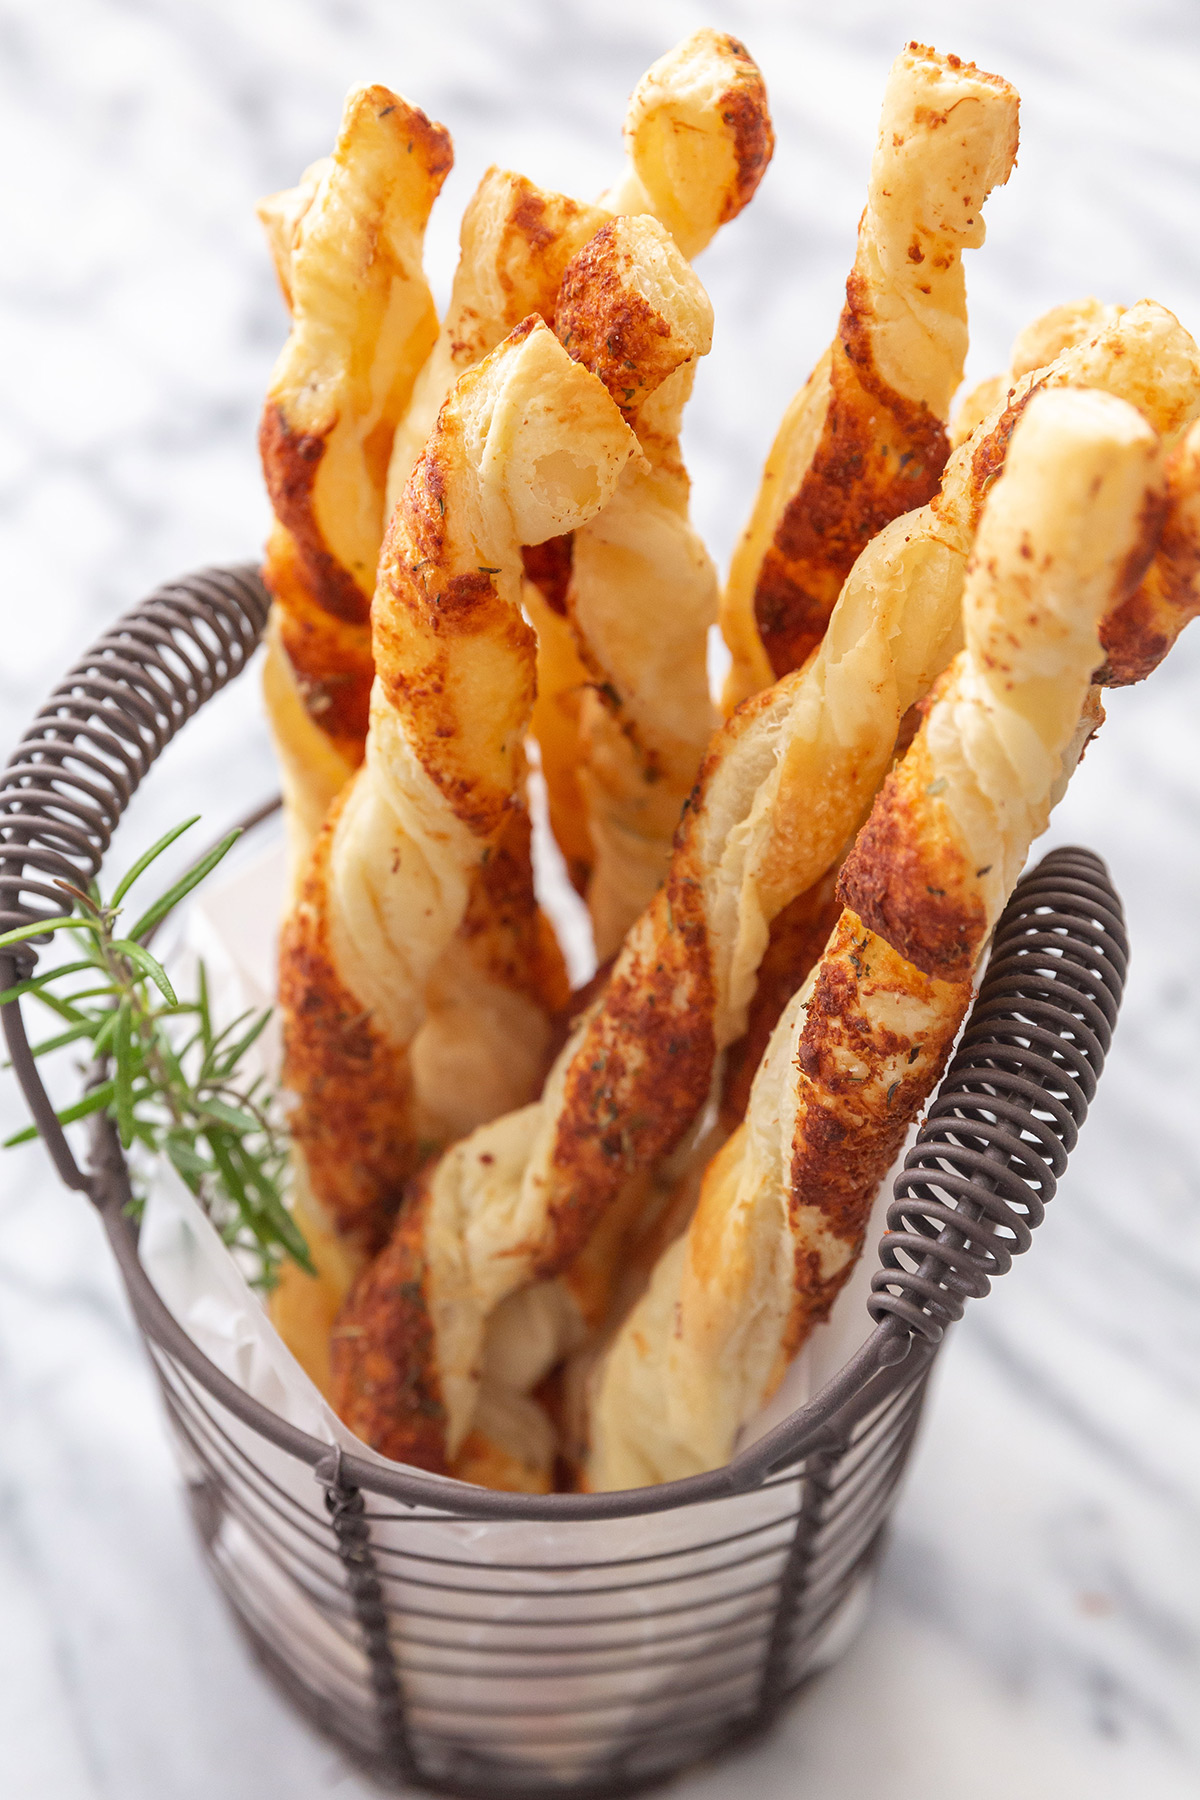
{"x": 865, "y": 439}
{"x": 529, "y": 443}
{"x": 1066, "y": 529}
{"x": 347, "y": 244}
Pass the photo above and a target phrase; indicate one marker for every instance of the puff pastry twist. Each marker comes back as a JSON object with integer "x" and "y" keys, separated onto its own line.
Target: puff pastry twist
{"x": 347, "y": 244}
{"x": 784, "y": 785}
{"x": 1066, "y": 531}
{"x": 864, "y": 440}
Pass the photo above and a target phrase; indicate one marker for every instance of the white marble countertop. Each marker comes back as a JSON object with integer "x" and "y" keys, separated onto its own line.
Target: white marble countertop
{"x": 1037, "y": 1629}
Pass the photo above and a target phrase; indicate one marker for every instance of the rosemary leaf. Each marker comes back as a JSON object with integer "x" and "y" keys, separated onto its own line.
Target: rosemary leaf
{"x": 110, "y": 989}
{"x": 174, "y": 1086}
{"x": 123, "y": 1074}
{"x": 142, "y": 959}
{"x": 227, "y": 1115}
{"x": 36, "y": 983}
{"x": 163, "y": 905}
{"x": 85, "y": 899}
{"x": 193, "y": 1167}
{"x": 219, "y": 1144}
{"x": 104, "y": 1032}
{"x": 44, "y": 927}
{"x": 84, "y": 1028}
{"x": 286, "y": 1230}
{"x": 203, "y": 1013}
{"x": 143, "y": 862}
{"x": 92, "y": 1101}
{"x": 228, "y": 1062}
{"x": 172, "y": 1062}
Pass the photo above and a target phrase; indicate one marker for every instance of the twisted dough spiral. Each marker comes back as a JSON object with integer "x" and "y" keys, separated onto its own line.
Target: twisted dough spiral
{"x": 865, "y": 439}
{"x": 784, "y": 785}
{"x": 642, "y": 591}
{"x": 529, "y": 444}
{"x": 699, "y": 139}
{"x": 698, "y": 136}
{"x": 515, "y": 241}
{"x": 347, "y": 245}
{"x": 1066, "y": 531}
{"x": 950, "y": 829}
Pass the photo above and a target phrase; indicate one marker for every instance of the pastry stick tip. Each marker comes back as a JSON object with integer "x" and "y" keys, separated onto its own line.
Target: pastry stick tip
{"x": 699, "y": 137}
{"x": 632, "y": 311}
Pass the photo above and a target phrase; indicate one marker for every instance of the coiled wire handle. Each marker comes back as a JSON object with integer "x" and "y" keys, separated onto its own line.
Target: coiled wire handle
{"x": 987, "y": 1160}
{"x": 78, "y": 766}
{"x": 93, "y": 742}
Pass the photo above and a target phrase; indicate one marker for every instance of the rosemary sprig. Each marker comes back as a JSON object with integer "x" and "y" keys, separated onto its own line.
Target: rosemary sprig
{"x": 163, "y": 1072}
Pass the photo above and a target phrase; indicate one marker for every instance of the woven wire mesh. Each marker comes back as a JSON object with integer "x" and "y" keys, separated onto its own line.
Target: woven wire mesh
{"x": 575, "y": 1670}
{"x": 489, "y": 1644}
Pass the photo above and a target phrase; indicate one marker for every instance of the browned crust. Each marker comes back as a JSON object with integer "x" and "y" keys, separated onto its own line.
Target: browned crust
{"x": 611, "y": 329}
{"x": 989, "y": 456}
{"x": 910, "y": 883}
{"x": 640, "y": 1072}
{"x": 956, "y": 62}
{"x": 548, "y": 566}
{"x": 578, "y": 1001}
{"x": 545, "y": 230}
{"x": 351, "y": 1087}
{"x": 845, "y": 1142}
{"x": 510, "y": 938}
{"x": 880, "y": 455}
{"x": 331, "y": 659}
{"x": 744, "y": 110}
{"x": 436, "y": 144}
{"x": 290, "y": 462}
{"x": 385, "y": 1381}
{"x": 532, "y": 216}
{"x": 446, "y": 609}
{"x": 1137, "y": 634}
{"x": 487, "y": 1464}
{"x": 550, "y": 224}
{"x": 798, "y": 936}
{"x": 334, "y": 693}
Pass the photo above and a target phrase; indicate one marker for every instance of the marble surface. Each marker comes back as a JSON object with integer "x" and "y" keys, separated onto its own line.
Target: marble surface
{"x": 1037, "y": 1630}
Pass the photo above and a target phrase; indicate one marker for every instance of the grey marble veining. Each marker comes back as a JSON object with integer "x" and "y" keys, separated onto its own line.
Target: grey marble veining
{"x": 1037, "y": 1630}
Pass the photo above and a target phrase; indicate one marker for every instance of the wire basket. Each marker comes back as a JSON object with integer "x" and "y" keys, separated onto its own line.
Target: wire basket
{"x": 480, "y": 1643}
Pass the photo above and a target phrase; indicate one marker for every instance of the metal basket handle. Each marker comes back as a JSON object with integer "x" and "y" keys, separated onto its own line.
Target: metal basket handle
{"x": 68, "y": 782}
{"x": 973, "y": 1188}
{"x": 996, "y": 1138}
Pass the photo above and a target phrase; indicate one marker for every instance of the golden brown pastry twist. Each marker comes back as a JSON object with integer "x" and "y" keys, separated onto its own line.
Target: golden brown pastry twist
{"x": 347, "y": 245}
{"x": 1061, "y": 328}
{"x": 698, "y": 139}
{"x": 529, "y": 444}
{"x": 865, "y": 439}
{"x": 642, "y": 591}
{"x": 1067, "y": 530}
{"x": 785, "y": 783}
{"x": 1138, "y": 634}
{"x": 633, "y": 306}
